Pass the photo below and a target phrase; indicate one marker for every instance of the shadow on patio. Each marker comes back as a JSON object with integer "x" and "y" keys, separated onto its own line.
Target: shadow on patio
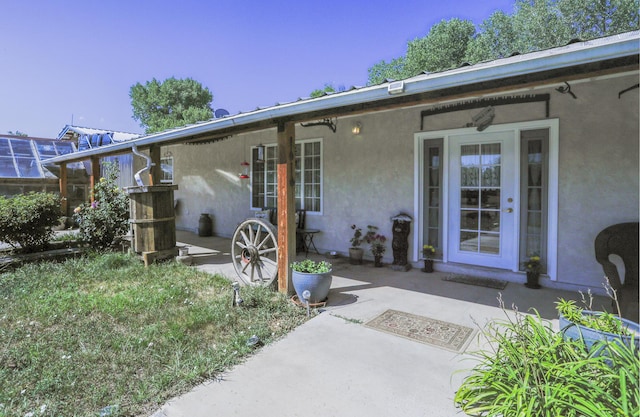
{"x": 360, "y": 284}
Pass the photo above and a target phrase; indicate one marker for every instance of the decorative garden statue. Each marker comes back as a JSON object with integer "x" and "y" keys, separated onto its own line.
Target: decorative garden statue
{"x": 400, "y": 242}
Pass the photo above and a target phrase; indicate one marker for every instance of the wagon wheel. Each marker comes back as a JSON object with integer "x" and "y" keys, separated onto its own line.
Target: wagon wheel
{"x": 254, "y": 250}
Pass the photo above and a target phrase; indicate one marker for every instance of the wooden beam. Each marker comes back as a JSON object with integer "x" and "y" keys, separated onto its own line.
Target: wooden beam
{"x": 286, "y": 205}
{"x": 95, "y": 175}
{"x": 64, "y": 205}
{"x": 155, "y": 173}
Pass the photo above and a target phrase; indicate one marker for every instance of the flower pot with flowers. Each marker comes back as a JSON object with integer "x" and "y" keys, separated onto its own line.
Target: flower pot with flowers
{"x": 355, "y": 251}
{"x": 533, "y": 267}
{"x": 428, "y": 252}
{"x": 376, "y": 243}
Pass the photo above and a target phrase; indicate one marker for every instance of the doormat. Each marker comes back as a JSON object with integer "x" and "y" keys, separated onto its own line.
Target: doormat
{"x": 480, "y": 282}
{"x": 423, "y": 329}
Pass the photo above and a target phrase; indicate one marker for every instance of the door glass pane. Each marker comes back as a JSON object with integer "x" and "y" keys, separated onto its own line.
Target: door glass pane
{"x": 535, "y": 175}
{"x": 434, "y": 197}
{"x": 469, "y": 155}
{"x": 491, "y": 154}
{"x": 491, "y": 176}
{"x": 490, "y": 243}
{"x": 433, "y": 218}
{"x": 490, "y": 221}
{"x": 469, "y": 176}
{"x": 534, "y": 199}
{"x": 491, "y": 198}
{"x": 480, "y": 182}
{"x": 434, "y": 177}
{"x": 469, "y": 220}
{"x": 469, "y": 198}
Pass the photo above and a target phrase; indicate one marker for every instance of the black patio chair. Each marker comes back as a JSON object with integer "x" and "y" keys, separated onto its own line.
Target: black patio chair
{"x": 622, "y": 240}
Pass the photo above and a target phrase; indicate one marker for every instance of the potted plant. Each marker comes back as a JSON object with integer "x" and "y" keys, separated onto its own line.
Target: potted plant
{"x": 355, "y": 251}
{"x": 591, "y": 326}
{"x": 428, "y": 251}
{"x": 312, "y": 276}
{"x": 376, "y": 243}
{"x": 533, "y": 267}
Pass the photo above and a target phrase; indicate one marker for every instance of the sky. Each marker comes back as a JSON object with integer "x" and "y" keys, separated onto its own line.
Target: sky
{"x": 74, "y": 61}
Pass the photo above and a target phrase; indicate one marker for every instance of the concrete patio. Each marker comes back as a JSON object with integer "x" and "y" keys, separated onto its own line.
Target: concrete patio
{"x": 336, "y": 366}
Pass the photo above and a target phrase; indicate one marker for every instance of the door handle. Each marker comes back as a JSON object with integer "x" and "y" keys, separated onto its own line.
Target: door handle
{"x": 508, "y": 210}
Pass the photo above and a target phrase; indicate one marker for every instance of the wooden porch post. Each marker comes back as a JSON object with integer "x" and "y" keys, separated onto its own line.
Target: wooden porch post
{"x": 286, "y": 205}
{"x": 155, "y": 173}
{"x": 64, "y": 204}
{"x": 95, "y": 175}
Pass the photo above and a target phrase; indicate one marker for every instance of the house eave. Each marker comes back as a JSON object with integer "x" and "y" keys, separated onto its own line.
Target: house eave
{"x": 598, "y": 56}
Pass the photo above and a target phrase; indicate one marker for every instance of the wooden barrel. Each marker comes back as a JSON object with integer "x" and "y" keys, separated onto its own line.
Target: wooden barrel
{"x": 153, "y": 217}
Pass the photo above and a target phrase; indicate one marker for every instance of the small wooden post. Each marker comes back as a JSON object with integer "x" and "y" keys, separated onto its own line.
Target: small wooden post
{"x": 64, "y": 205}
{"x": 155, "y": 172}
{"x": 286, "y": 205}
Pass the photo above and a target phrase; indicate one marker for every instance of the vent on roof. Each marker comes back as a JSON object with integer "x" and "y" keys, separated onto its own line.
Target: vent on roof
{"x": 396, "y": 87}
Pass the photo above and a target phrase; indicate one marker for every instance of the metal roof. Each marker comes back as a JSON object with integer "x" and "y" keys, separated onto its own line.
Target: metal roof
{"x": 68, "y": 131}
{"x": 375, "y": 97}
{"x": 23, "y": 157}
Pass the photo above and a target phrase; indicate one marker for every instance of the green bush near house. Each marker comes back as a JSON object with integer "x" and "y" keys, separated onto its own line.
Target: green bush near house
{"x": 530, "y": 370}
{"x": 27, "y": 220}
{"x": 107, "y": 217}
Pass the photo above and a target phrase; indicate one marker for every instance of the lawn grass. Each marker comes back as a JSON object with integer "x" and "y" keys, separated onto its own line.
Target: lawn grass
{"x": 104, "y": 333}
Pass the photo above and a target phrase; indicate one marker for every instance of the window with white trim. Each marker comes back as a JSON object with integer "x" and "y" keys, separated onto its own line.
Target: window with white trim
{"x": 308, "y": 176}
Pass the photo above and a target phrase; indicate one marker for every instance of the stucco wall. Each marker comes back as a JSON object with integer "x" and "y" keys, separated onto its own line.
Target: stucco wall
{"x": 599, "y": 171}
{"x": 370, "y": 177}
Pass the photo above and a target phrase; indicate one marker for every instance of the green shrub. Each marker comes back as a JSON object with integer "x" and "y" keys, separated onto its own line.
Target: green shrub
{"x": 26, "y": 220}
{"x": 107, "y": 217}
{"x": 311, "y": 267}
{"x": 530, "y": 370}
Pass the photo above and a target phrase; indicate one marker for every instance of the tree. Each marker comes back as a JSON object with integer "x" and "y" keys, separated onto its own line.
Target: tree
{"x": 590, "y": 19}
{"x": 17, "y": 133}
{"x": 328, "y": 88}
{"x": 171, "y": 103}
{"x": 534, "y": 25}
{"x": 383, "y": 71}
{"x": 495, "y": 40}
{"x": 444, "y": 47}
{"x": 538, "y": 25}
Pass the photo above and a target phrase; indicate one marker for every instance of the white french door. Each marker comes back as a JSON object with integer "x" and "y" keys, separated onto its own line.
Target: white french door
{"x": 482, "y": 202}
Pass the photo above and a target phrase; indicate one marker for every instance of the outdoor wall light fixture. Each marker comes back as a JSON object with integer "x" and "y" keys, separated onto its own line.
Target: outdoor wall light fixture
{"x": 357, "y": 128}
{"x": 484, "y": 119}
{"x": 396, "y": 87}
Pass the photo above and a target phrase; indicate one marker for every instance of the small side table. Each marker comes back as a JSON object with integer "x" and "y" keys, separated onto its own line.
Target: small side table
{"x": 306, "y": 236}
